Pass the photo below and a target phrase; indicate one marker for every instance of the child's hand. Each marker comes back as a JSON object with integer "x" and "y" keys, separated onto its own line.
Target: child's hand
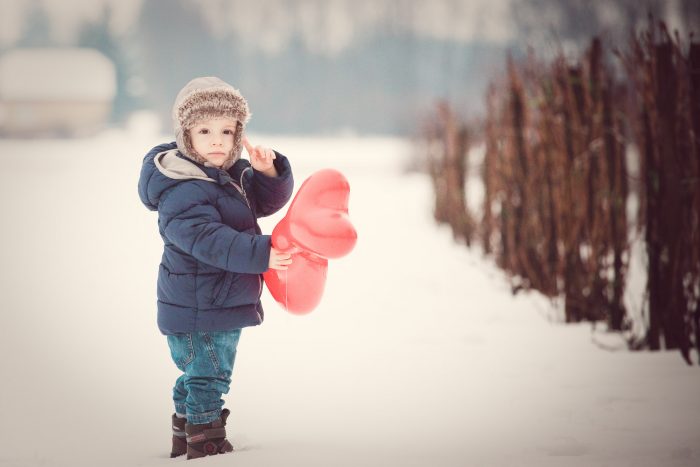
{"x": 261, "y": 158}
{"x": 279, "y": 260}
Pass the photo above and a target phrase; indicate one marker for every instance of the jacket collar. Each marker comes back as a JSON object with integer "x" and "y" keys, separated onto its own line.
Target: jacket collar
{"x": 173, "y": 164}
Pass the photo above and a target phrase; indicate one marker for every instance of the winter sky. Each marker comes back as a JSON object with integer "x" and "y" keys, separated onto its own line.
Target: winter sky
{"x": 327, "y": 25}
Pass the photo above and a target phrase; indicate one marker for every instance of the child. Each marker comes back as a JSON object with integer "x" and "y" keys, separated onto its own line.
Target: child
{"x": 209, "y": 280}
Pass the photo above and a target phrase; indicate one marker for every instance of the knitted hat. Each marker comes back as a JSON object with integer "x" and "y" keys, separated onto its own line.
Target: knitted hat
{"x": 203, "y": 99}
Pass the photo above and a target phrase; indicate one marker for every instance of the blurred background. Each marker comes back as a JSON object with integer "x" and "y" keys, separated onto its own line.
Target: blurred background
{"x": 560, "y": 138}
{"x": 307, "y": 67}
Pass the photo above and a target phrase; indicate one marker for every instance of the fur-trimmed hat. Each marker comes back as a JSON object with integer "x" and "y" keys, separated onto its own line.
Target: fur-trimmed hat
{"x": 203, "y": 99}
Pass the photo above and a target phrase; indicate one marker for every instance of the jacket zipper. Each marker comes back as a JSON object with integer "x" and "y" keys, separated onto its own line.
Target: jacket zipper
{"x": 240, "y": 181}
{"x": 240, "y": 188}
{"x": 260, "y": 279}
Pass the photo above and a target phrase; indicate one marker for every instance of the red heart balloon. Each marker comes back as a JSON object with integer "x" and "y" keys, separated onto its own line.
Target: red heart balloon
{"x": 316, "y": 227}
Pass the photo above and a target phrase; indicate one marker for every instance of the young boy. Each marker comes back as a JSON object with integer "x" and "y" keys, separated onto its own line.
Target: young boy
{"x": 210, "y": 276}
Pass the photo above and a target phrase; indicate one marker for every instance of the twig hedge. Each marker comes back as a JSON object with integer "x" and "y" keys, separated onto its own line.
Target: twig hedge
{"x": 557, "y": 137}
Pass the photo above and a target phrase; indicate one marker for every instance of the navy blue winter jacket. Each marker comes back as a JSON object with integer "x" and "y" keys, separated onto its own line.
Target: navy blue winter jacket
{"x": 210, "y": 275}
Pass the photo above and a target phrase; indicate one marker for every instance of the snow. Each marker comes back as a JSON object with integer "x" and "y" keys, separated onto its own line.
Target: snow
{"x": 417, "y": 356}
{"x": 51, "y": 74}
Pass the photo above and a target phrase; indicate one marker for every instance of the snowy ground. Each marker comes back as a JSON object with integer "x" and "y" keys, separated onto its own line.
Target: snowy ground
{"x": 417, "y": 356}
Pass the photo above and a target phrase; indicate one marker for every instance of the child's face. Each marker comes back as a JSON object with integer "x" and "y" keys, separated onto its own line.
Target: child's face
{"x": 213, "y": 139}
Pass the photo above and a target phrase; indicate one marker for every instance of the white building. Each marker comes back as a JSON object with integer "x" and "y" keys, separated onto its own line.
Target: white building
{"x": 55, "y": 91}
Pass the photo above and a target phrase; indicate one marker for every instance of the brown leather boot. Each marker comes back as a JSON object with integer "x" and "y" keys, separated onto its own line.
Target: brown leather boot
{"x": 208, "y": 439}
{"x": 179, "y": 437}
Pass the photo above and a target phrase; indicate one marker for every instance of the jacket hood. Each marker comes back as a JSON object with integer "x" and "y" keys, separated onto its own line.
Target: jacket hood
{"x": 206, "y": 98}
{"x": 172, "y": 166}
{"x": 162, "y": 169}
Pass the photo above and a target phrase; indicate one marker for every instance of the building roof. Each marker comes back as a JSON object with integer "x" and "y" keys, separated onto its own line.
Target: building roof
{"x": 51, "y": 74}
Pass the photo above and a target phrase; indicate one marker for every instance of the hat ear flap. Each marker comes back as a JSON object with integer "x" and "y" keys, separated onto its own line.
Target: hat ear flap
{"x": 237, "y": 148}
{"x": 238, "y": 141}
{"x": 187, "y": 140}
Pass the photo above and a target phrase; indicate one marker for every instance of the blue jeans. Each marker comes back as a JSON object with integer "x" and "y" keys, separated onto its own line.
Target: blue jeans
{"x": 206, "y": 360}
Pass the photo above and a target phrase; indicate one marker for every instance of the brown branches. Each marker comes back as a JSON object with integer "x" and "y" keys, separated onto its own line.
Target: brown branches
{"x": 555, "y": 174}
{"x": 448, "y": 143}
{"x": 664, "y": 117}
{"x": 557, "y": 137}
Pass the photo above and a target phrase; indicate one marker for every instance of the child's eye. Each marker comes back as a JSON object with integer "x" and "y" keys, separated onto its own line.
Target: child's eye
{"x": 203, "y": 131}
{"x": 228, "y": 132}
